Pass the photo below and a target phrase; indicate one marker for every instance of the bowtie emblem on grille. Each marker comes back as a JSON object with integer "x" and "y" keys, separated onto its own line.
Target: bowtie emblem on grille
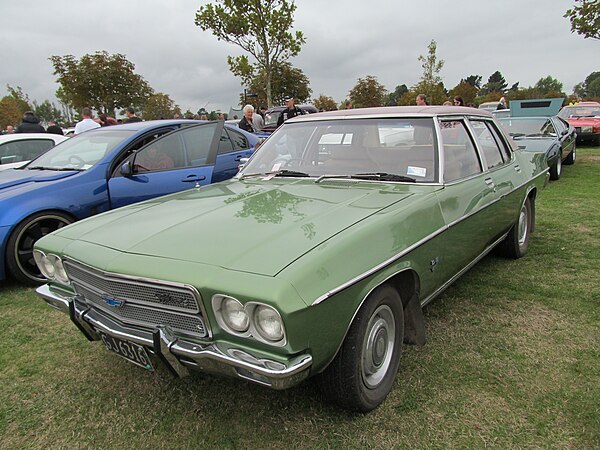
{"x": 113, "y": 301}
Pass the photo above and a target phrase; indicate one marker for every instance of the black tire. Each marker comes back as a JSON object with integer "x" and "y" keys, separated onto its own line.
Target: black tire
{"x": 19, "y": 250}
{"x": 517, "y": 242}
{"x": 363, "y": 372}
{"x": 556, "y": 168}
{"x": 571, "y": 157}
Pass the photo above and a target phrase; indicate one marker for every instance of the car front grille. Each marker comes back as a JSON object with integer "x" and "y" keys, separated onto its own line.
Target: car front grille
{"x": 142, "y": 303}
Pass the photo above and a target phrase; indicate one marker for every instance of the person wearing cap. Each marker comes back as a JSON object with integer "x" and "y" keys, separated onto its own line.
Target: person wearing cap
{"x": 290, "y": 111}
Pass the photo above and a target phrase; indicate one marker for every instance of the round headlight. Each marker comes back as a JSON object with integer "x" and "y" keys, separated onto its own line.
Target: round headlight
{"x": 268, "y": 323}
{"x": 44, "y": 264}
{"x": 59, "y": 270}
{"x": 234, "y": 315}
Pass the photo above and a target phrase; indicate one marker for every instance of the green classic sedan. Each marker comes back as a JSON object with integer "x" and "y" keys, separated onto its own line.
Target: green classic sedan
{"x": 315, "y": 260}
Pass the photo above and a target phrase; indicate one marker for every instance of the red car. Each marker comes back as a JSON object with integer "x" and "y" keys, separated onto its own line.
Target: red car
{"x": 585, "y": 117}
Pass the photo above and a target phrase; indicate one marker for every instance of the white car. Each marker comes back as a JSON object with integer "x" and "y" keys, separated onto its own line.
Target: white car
{"x": 18, "y": 149}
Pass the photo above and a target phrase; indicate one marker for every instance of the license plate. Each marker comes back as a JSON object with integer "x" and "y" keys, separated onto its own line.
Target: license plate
{"x": 131, "y": 351}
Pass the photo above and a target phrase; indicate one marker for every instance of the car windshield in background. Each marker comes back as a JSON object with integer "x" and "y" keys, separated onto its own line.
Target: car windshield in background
{"x": 579, "y": 111}
{"x": 400, "y": 149}
{"x": 272, "y": 117}
{"x": 528, "y": 127}
{"x": 80, "y": 152}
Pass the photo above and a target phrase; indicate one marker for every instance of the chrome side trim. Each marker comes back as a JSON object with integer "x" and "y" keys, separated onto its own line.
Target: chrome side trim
{"x": 394, "y": 258}
{"x": 378, "y": 267}
{"x": 465, "y": 269}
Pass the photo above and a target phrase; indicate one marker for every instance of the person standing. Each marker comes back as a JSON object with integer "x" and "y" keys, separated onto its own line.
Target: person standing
{"x": 421, "y": 100}
{"x": 290, "y": 111}
{"x": 87, "y": 123}
{"x": 131, "y": 117}
{"x": 247, "y": 122}
{"x": 458, "y": 101}
{"x": 53, "y": 128}
{"x": 30, "y": 124}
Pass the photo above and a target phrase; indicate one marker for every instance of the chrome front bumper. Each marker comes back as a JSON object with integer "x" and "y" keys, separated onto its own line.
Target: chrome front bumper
{"x": 178, "y": 354}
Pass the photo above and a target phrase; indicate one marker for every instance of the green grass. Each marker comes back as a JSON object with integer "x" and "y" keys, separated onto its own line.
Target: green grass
{"x": 512, "y": 361}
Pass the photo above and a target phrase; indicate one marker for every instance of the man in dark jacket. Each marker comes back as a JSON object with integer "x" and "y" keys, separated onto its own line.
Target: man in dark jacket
{"x": 54, "y": 129}
{"x": 31, "y": 124}
{"x": 289, "y": 112}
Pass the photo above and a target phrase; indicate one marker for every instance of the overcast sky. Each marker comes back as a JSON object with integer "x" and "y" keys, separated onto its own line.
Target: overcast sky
{"x": 345, "y": 40}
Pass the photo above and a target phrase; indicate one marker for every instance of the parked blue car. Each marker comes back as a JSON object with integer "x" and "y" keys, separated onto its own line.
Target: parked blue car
{"x": 106, "y": 168}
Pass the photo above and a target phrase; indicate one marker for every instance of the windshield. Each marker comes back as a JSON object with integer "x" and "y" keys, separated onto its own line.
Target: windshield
{"x": 80, "y": 152}
{"x": 386, "y": 149}
{"x": 528, "y": 127}
{"x": 579, "y": 111}
{"x": 271, "y": 117}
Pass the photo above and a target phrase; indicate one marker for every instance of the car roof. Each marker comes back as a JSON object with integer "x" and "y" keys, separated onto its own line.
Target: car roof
{"x": 392, "y": 111}
{"x": 22, "y": 136}
{"x": 146, "y": 124}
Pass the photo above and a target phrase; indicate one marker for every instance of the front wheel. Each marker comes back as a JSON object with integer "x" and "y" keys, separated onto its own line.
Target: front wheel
{"x": 19, "y": 251}
{"x": 517, "y": 242}
{"x": 556, "y": 168}
{"x": 363, "y": 372}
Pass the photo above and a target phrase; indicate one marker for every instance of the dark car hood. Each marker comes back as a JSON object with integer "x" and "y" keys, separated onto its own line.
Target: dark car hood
{"x": 247, "y": 226}
{"x": 14, "y": 177}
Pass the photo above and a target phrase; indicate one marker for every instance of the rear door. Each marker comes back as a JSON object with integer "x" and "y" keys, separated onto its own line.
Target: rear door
{"x": 180, "y": 160}
{"x": 233, "y": 146}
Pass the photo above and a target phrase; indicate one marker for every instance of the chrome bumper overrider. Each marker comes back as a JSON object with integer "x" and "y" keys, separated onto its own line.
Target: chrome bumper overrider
{"x": 179, "y": 354}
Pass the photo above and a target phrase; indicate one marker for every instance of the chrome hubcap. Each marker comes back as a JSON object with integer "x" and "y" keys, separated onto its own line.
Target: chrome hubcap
{"x": 378, "y": 346}
{"x": 522, "y": 225}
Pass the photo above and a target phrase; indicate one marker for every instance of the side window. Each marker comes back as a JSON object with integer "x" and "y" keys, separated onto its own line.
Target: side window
{"x": 225, "y": 145}
{"x": 162, "y": 154}
{"x": 24, "y": 150}
{"x": 238, "y": 140}
{"x": 139, "y": 144}
{"x": 460, "y": 157}
{"x": 488, "y": 144}
{"x": 197, "y": 143}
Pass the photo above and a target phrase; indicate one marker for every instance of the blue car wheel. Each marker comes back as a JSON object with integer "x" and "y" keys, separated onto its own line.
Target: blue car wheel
{"x": 19, "y": 255}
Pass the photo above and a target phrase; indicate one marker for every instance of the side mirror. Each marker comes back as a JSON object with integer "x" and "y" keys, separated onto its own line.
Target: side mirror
{"x": 126, "y": 169}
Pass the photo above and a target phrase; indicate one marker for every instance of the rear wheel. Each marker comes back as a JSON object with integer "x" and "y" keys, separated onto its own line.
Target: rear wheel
{"x": 19, "y": 251}
{"x": 363, "y": 372}
{"x": 556, "y": 168}
{"x": 570, "y": 159}
{"x": 517, "y": 242}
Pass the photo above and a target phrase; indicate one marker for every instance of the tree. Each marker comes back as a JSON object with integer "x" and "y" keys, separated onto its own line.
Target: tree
{"x": 10, "y": 112}
{"x": 549, "y": 85}
{"x": 430, "y": 80}
{"x": 101, "y": 81}
{"x": 46, "y": 111}
{"x": 325, "y": 103}
{"x": 259, "y": 27}
{"x": 496, "y": 83}
{"x": 368, "y": 92}
{"x": 160, "y": 106}
{"x": 393, "y": 97}
{"x": 20, "y": 97}
{"x": 590, "y": 87}
{"x": 585, "y": 18}
{"x": 466, "y": 90}
{"x": 285, "y": 80}
{"x": 473, "y": 80}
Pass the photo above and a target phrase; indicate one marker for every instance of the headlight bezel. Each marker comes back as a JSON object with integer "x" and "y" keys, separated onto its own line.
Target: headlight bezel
{"x": 51, "y": 266}
{"x": 254, "y": 330}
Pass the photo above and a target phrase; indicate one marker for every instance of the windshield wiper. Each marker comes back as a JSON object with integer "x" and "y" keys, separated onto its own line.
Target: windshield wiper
{"x": 541, "y": 135}
{"x": 58, "y": 169}
{"x": 275, "y": 173}
{"x": 516, "y": 134}
{"x": 382, "y": 176}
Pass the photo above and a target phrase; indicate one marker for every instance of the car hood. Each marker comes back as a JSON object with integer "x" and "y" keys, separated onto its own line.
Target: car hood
{"x": 13, "y": 177}
{"x": 583, "y": 121}
{"x": 257, "y": 227}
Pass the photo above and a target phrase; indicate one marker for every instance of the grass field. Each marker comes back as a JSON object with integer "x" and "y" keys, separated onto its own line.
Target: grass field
{"x": 512, "y": 361}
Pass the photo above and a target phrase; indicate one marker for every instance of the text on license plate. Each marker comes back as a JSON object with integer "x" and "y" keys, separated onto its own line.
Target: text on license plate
{"x": 131, "y": 351}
